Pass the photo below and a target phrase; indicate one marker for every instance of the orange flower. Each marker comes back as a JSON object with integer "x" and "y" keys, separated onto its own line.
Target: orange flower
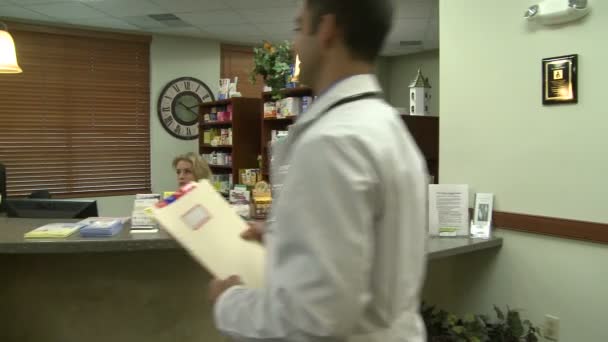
{"x": 268, "y": 46}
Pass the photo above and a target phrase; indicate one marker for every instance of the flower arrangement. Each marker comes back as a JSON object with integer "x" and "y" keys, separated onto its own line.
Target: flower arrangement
{"x": 274, "y": 64}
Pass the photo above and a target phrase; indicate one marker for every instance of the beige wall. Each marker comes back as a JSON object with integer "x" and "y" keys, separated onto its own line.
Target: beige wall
{"x": 170, "y": 58}
{"x": 399, "y": 71}
{"x": 497, "y": 137}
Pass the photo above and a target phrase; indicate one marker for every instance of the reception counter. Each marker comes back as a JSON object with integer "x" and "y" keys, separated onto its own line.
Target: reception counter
{"x": 131, "y": 287}
{"x": 13, "y": 242}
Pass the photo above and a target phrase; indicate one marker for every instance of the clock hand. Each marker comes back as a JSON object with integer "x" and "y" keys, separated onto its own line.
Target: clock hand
{"x": 188, "y": 108}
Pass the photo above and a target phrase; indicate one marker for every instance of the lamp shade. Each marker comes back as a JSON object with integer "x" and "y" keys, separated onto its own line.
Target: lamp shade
{"x": 8, "y": 56}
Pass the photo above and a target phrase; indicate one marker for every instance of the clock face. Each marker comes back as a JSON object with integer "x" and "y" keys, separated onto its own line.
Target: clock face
{"x": 178, "y": 106}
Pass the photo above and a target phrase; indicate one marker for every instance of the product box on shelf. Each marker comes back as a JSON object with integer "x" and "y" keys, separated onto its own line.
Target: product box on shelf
{"x": 270, "y": 109}
{"x": 291, "y": 106}
{"x": 306, "y": 102}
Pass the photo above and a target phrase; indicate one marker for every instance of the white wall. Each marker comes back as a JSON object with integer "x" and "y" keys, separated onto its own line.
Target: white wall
{"x": 497, "y": 136}
{"x": 382, "y": 72}
{"x": 174, "y": 57}
{"x": 551, "y": 159}
{"x": 170, "y": 57}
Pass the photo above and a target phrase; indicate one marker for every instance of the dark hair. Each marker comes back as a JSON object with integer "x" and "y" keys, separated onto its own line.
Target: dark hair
{"x": 365, "y": 23}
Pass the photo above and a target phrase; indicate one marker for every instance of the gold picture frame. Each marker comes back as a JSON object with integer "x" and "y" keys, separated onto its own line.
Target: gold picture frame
{"x": 560, "y": 81}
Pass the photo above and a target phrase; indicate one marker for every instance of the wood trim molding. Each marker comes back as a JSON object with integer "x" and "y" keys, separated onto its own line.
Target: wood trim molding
{"x": 237, "y": 48}
{"x": 563, "y": 228}
{"x": 78, "y": 32}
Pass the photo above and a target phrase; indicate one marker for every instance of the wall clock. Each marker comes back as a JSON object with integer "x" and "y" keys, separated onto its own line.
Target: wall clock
{"x": 178, "y": 105}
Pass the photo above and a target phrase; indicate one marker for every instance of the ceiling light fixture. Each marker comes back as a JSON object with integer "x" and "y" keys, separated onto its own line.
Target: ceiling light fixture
{"x": 8, "y": 56}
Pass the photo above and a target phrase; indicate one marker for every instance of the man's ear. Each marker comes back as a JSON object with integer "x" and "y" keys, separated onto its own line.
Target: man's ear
{"x": 327, "y": 31}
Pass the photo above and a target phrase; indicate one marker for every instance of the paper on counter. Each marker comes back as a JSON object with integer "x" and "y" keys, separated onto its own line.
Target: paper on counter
{"x": 449, "y": 210}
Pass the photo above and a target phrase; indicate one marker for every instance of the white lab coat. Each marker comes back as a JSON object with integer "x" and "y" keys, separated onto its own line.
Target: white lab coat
{"x": 347, "y": 234}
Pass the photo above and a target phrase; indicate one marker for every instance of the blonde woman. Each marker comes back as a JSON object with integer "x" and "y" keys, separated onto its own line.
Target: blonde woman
{"x": 190, "y": 167}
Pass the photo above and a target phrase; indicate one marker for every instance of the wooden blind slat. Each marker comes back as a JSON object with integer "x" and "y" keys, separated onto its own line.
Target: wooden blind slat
{"x": 77, "y": 120}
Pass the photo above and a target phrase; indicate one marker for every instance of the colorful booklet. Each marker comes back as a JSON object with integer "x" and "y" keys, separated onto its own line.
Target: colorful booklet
{"x": 102, "y": 226}
{"x": 54, "y": 230}
{"x": 90, "y": 220}
{"x": 201, "y": 220}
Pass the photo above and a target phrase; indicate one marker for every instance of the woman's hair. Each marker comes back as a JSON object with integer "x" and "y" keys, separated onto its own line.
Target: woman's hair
{"x": 200, "y": 168}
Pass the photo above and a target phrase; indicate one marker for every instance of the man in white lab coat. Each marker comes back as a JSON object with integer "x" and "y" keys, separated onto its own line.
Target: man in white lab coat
{"x": 347, "y": 234}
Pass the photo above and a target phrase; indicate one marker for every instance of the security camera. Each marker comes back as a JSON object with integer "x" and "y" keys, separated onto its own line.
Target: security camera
{"x": 551, "y": 12}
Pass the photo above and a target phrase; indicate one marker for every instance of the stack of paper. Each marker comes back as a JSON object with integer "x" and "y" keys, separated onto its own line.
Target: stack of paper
{"x": 449, "y": 210}
{"x": 141, "y": 218}
{"x": 54, "y": 230}
{"x": 102, "y": 226}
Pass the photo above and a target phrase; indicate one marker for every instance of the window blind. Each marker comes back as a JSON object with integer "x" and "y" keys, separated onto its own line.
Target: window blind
{"x": 76, "y": 122}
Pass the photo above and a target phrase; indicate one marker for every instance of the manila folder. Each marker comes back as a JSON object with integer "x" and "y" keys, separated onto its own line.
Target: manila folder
{"x": 209, "y": 229}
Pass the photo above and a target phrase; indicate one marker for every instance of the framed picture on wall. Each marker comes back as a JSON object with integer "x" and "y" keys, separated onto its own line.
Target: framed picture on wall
{"x": 560, "y": 81}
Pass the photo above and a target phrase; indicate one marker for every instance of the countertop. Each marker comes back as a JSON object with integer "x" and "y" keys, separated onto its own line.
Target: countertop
{"x": 13, "y": 242}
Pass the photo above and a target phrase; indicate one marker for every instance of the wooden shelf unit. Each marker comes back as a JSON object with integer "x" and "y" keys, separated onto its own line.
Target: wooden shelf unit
{"x": 289, "y": 92}
{"x": 216, "y": 124}
{"x": 246, "y": 130}
{"x": 288, "y": 120}
{"x": 425, "y": 131}
{"x": 225, "y": 167}
{"x": 224, "y": 147}
{"x": 270, "y": 124}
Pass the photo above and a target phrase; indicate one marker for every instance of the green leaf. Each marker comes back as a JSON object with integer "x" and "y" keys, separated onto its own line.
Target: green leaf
{"x": 274, "y": 65}
{"x": 458, "y": 329}
{"x": 532, "y": 338}
{"x": 514, "y": 322}
{"x": 499, "y": 313}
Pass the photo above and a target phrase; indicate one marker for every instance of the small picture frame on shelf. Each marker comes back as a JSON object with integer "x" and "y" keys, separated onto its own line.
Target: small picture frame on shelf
{"x": 481, "y": 226}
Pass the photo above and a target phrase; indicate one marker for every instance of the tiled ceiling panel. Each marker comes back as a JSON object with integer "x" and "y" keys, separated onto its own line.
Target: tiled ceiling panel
{"x": 235, "y": 21}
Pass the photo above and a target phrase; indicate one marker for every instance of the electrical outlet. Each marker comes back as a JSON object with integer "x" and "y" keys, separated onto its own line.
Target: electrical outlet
{"x": 551, "y": 328}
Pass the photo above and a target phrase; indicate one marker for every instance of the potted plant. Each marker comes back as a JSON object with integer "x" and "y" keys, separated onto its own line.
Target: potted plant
{"x": 443, "y": 326}
{"x": 509, "y": 327}
{"x": 274, "y": 64}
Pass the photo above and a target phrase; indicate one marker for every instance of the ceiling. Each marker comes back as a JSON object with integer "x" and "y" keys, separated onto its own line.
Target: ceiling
{"x": 234, "y": 21}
